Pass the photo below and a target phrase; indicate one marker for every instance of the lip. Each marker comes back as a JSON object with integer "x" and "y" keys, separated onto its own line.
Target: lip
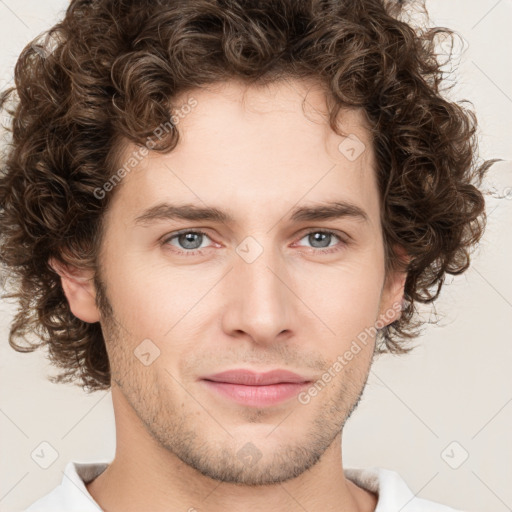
{"x": 256, "y": 389}
{"x": 251, "y": 378}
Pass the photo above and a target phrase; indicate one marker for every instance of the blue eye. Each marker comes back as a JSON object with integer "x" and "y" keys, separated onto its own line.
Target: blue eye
{"x": 190, "y": 242}
{"x": 325, "y": 237}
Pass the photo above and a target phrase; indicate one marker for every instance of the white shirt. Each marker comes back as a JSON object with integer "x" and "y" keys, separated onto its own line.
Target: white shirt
{"x": 393, "y": 494}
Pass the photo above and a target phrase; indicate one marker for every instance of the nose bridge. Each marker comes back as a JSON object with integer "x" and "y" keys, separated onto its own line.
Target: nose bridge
{"x": 261, "y": 300}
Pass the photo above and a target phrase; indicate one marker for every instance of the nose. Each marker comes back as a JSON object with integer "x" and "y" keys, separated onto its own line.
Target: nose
{"x": 260, "y": 301}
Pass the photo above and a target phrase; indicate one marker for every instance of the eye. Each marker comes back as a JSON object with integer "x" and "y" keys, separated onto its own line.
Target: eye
{"x": 188, "y": 242}
{"x": 321, "y": 239}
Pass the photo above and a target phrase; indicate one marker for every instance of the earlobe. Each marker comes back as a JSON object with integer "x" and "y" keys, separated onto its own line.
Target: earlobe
{"x": 393, "y": 292}
{"x": 391, "y": 303}
{"x": 78, "y": 286}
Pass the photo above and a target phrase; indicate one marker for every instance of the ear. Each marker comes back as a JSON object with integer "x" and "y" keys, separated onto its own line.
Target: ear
{"x": 78, "y": 286}
{"x": 393, "y": 292}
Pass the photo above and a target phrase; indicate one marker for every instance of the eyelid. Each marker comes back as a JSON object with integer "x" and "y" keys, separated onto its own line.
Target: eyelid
{"x": 344, "y": 240}
{"x": 170, "y": 236}
{"x": 340, "y": 234}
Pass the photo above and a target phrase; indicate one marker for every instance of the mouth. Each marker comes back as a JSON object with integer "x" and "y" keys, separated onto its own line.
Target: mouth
{"x": 250, "y": 388}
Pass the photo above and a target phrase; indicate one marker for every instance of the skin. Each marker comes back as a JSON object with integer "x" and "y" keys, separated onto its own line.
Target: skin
{"x": 254, "y": 152}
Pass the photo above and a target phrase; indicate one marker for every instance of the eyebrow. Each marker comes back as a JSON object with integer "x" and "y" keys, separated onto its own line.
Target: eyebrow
{"x": 322, "y": 211}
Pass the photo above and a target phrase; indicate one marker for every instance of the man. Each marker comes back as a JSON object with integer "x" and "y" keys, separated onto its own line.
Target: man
{"x": 222, "y": 211}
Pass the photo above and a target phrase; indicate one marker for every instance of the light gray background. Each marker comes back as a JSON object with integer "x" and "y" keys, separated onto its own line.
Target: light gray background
{"x": 455, "y": 387}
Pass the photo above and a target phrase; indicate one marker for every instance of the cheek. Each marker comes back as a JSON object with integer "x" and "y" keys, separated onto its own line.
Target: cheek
{"x": 173, "y": 307}
{"x": 142, "y": 300}
{"x": 346, "y": 298}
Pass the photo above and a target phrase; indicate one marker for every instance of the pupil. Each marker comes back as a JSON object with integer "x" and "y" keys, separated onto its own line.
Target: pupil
{"x": 189, "y": 240}
{"x": 318, "y": 238}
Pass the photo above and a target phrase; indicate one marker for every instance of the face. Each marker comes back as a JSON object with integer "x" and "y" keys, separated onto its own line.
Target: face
{"x": 274, "y": 284}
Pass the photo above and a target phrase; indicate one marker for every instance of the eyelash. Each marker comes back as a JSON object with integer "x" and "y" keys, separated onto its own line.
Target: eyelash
{"x": 196, "y": 252}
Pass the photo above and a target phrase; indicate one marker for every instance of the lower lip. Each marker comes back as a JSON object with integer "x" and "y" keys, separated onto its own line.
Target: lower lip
{"x": 257, "y": 396}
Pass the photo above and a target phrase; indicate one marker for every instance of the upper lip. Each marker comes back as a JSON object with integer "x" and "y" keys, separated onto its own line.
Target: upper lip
{"x": 251, "y": 378}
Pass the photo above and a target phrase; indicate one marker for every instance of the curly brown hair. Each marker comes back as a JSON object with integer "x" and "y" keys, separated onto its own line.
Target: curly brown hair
{"x": 111, "y": 74}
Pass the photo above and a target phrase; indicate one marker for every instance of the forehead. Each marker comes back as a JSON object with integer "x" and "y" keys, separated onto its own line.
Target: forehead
{"x": 265, "y": 115}
{"x": 251, "y": 147}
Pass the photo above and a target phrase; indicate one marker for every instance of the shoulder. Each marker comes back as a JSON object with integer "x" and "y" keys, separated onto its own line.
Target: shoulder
{"x": 392, "y": 491}
{"x": 71, "y": 495}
